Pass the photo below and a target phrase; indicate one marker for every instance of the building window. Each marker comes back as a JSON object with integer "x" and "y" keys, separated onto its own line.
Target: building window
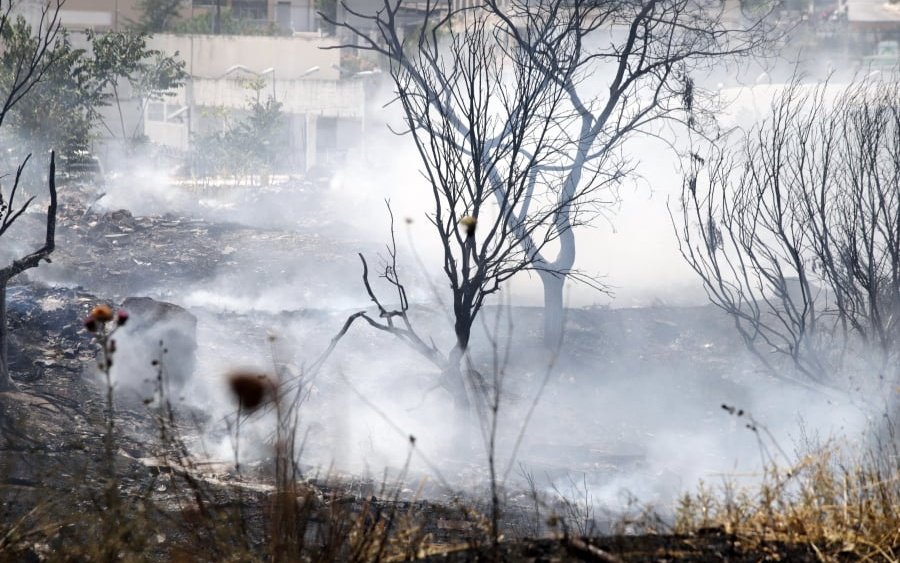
{"x": 251, "y": 9}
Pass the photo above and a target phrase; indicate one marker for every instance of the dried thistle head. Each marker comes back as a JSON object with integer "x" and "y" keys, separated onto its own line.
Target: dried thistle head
{"x": 553, "y": 520}
{"x": 468, "y": 223}
{"x": 251, "y": 389}
{"x": 102, "y": 313}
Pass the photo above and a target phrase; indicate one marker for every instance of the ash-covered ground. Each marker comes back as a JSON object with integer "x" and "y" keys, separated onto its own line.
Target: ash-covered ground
{"x": 629, "y": 408}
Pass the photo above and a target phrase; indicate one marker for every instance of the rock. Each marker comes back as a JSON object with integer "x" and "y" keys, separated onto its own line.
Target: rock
{"x": 121, "y": 218}
{"x": 158, "y": 335}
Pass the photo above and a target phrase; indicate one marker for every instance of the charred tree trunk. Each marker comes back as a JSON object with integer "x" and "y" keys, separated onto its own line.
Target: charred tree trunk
{"x": 32, "y": 260}
{"x": 6, "y": 382}
{"x": 453, "y": 379}
{"x": 553, "y": 277}
{"x": 554, "y": 311}
{"x": 454, "y": 376}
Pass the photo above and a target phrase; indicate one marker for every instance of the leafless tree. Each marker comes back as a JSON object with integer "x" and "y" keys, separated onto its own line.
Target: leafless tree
{"x": 29, "y": 67}
{"x": 795, "y": 233}
{"x": 519, "y": 111}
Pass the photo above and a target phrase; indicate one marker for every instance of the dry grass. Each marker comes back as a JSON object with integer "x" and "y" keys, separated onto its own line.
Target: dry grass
{"x": 842, "y": 503}
{"x": 196, "y": 519}
{"x": 113, "y": 508}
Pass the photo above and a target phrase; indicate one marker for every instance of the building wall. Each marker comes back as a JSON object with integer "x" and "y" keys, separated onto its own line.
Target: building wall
{"x": 172, "y": 135}
{"x": 323, "y": 113}
{"x": 98, "y": 14}
{"x": 328, "y": 98}
{"x": 303, "y": 15}
{"x": 324, "y": 117}
{"x": 212, "y": 56}
{"x": 101, "y": 15}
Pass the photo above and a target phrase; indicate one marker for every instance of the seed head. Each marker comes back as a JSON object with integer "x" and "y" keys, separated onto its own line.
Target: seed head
{"x": 250, "y": 389}
{"x": 102, "y": 313}
{"x": 468, "y": 224}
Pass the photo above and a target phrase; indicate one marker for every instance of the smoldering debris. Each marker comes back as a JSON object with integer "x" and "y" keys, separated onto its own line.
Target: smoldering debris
{"x": 117, "y": 253}
{"x": 45, "y": 329}
{"x": 628, "y": 384}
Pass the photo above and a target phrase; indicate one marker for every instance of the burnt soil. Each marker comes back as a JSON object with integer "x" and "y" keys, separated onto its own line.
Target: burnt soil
{"x": 54, "y": 426}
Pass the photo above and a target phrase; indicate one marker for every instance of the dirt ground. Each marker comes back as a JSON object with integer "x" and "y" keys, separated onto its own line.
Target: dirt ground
{"x": 54, "y": 426}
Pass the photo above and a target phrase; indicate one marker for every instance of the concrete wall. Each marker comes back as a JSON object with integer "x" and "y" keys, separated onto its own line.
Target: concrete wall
{"x": 98, "y": 14}
{"x": 327, "y": 98}
{"x": 217, "y": 65}
{"x": 210, "y": 56}
{"x": 411, "y": 13}
{"x": 173, "y": 135}
{"x": 241, "y": 7}
{"x": 297, "y": 15}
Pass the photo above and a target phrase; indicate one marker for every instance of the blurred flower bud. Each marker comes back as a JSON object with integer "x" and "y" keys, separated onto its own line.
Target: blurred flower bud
{"x": 90, "y": 324}
{"x": 468, "y": 224}
{"x": 121, "y": 317}
{"x": 250, "y": 389}
{"x": 102, "y": 313}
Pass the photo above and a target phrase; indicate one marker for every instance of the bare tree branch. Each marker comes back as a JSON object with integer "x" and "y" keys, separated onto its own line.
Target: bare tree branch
{"x": 795, "y": 235}
{"x": 517, "y": 143}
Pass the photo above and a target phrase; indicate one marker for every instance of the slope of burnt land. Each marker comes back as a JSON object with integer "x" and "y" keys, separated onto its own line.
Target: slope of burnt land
{"x": 117, "y": 254}
{"x": 57, "y": 464}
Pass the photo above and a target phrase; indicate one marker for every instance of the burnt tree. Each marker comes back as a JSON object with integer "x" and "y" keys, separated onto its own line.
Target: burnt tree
{"x": 795, "y": 233}
{"x": 516, "y": 141}
{"x": 30, "y": 61}
{"x": 8, "y": 215}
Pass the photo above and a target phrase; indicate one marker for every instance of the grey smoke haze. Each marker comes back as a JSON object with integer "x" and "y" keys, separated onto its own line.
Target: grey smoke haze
{"x": 668, "y": 413}
{"x": 29, "y": 230}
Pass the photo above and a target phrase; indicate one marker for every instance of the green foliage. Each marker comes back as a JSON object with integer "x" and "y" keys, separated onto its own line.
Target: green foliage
{"x": 123, "y": 57}
{"x": 229, "y": 24}
{"x": 251, "y": 146}
{"x": 157, "y": 15}
{"x": 59, "y": 108}
{"x": 431, "y": 30}
{"x": 62, "y": 108}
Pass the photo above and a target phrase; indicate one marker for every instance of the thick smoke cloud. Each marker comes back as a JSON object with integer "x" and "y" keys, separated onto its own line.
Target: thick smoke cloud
{"x": 616, "y": 419}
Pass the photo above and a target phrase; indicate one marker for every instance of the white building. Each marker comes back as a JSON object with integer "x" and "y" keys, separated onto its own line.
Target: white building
{"x": 325, "y": 112}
